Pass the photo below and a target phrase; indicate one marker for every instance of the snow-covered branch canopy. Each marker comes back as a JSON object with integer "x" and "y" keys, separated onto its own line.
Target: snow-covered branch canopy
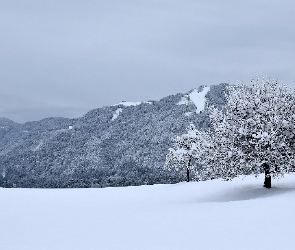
{"x": 256, "y": 126}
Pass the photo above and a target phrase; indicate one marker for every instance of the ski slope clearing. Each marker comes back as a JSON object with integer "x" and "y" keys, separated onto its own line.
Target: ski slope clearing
{"x": 198, "y": 98}
{"x": 116, "y": 114}
{"x": 240, "y": 214}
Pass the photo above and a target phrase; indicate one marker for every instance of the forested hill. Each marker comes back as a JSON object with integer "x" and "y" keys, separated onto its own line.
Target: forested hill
{"x": 119, "y": 145}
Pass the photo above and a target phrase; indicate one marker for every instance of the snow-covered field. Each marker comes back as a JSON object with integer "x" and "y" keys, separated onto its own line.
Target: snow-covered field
{"x": 240, "y": 214}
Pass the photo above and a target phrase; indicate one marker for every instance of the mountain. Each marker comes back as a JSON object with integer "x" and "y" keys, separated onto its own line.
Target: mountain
{"x": 120, "y": 145}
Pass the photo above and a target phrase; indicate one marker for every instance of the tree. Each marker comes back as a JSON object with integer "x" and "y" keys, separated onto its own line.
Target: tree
{"x": 186, "y": 151}
{"x": 254, "y": 131}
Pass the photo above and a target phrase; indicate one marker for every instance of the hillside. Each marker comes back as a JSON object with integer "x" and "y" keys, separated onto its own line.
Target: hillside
{"x": 240, "y": 214}
{"x": 120, "y": 145}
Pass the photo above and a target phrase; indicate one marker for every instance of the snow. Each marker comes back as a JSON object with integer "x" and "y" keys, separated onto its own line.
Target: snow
{"x": 128, "y": 104}
{"x": 39, "y": 146}
{"x": 198, "y": 98}
{"x": 183, "y": 100}
{"x": 180, "y": 151}
{"x": 240, "y": 214}
{"x": 116, "y": 114}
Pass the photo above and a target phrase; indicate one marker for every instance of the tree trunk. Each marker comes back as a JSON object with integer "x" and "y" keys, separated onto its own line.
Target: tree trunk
{"x": 187, "y": 175}
{"x": 267, "y": 178}
{"x": 188, "y": 169}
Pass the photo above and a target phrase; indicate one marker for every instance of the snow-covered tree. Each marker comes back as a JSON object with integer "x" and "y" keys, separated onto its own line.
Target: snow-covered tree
{"x": 254, "y": 131}
{"x": 186, "y": 152}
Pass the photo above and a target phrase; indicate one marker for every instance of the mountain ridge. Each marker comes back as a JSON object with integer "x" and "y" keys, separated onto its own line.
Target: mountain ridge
{"x": 96, "y": 150}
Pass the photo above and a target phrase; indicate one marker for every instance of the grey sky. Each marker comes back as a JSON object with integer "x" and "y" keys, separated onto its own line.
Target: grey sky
{"x": 66, "y": 57}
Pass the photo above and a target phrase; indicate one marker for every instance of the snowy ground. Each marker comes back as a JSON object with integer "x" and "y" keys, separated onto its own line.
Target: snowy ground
{"x": 206, "y": 215}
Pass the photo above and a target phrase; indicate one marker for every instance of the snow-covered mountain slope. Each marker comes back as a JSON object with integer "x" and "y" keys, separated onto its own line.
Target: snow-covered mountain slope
{"x": 240, "y": 214}
{"x": 120, "y": 145}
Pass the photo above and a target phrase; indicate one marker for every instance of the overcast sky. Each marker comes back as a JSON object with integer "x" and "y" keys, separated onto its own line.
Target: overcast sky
{"x": 66, "y": 57}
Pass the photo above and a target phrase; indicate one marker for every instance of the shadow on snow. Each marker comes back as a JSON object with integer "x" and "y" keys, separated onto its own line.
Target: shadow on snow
{"x": 249, "y": 192}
